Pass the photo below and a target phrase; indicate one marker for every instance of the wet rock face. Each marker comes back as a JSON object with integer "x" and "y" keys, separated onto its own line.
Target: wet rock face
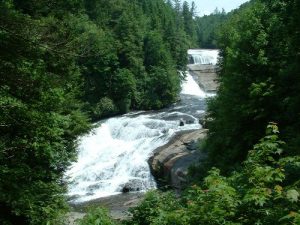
{"x": 171, "y": 162}
{"x": 192, "y": 146}
{"x": 181, "y": 123}
{"x": 204, "y": 120}
{"x": 206, "y": 76}
{"x": 132, "y": 185}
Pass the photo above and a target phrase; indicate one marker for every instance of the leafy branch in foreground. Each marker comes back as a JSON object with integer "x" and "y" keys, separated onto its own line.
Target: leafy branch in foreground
{"x": 258, "y": 194}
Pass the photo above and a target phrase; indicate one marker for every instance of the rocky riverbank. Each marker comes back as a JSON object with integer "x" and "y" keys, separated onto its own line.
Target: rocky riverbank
{"x": 169, "y": 163}
{"x": 118, "y": 206}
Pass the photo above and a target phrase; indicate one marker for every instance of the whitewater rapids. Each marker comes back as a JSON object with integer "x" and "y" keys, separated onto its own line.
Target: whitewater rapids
{"x": 114, "y": 154}
{"x": 203, "y": 56}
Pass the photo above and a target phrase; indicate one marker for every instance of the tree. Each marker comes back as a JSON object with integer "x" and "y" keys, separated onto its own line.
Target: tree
{"x": 62, "y": 62}
{"x": 123, "y": 89}
{"x": 258, "y": 64}
{"x": 40, "y": 117}
{"x": 177, "y": 6}
{"x": 208, "y": 27}
{"x": 259, "y": 193}
{"x": 189, "y": 24}
{"x": 162, "y": 84}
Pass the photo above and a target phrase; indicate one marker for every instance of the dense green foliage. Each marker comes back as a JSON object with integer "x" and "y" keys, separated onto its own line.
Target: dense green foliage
{"x": 260, "y": 193}
{"x": 62, "y": 62}
{"x": 188, "y": 14}
{"x": 259, "y": 78}
{"x": 97, "y": 216}
{"x": 207, "y": 28}
{"x": 139, "y": 47}
{"x": 40, "y": 115}
{"x": 259, "y": 81}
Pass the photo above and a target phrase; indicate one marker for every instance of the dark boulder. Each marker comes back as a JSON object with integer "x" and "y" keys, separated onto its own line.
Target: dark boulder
{"x": 132, "y": 185}
{"x": 181, "y": 123}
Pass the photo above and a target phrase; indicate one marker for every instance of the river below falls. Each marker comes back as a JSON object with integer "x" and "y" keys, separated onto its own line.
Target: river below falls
{"x": 114, "y": 154}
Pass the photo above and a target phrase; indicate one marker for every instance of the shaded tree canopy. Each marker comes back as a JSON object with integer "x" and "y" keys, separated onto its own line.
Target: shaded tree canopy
{"x": 62, "y": 64}
{"x": 259, "y": 80}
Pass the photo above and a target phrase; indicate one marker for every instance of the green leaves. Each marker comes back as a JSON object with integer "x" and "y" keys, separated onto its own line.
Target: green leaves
{"x": 158, "y": 208}
{"x": 292, "y": 195}
{"x": 40, "y": 117}
{"x": 258, "y": 81}
{"x": 130, "y": 41}
{"x": 97, "y": 216}
{"x": 208, "y": 27}
{"x": 61, "y": 60}
{"x": 258, "y": 193}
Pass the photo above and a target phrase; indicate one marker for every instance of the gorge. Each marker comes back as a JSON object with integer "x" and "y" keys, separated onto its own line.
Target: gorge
{"x": 113, "y": 156}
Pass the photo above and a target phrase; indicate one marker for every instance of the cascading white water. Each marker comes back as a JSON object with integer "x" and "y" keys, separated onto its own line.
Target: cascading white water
{"x": 203, "y": 56}
{"x": 190, "y": 87}
{"x": 114, "y": 155}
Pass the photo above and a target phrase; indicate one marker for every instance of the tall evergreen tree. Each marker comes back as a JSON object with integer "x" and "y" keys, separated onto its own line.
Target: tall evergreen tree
{"x": 61, "y": 60}
{"x": 208, "y": 27}
{"x": 259, "y": 80}
{"x": 40, "y": 116}
{"x": 189, "y": 24}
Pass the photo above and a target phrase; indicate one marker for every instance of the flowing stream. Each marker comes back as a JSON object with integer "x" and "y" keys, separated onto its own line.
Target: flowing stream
{"x": 114, "y": 154}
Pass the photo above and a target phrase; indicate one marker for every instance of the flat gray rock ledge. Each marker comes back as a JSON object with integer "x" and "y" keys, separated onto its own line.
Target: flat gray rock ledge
{"x": 206, "y": 76}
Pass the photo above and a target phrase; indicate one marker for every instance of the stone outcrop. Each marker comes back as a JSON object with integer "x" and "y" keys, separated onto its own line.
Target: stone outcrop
{"x": 118, "y": 206}
{"x": 72, "y": 217}
{"x": 171, "y": 161}
{"x": 132, "y": 185}
{"x": 205, "y": 75}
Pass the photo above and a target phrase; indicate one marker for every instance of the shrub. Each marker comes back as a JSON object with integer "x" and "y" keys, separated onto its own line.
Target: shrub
{"x": 97, "y": 216}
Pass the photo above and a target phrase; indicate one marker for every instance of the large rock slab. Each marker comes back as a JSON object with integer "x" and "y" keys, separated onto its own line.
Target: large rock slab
{"x": 118, "y": 206}
{"x": 171, "y": 161}
{"x": 205, "y": 75}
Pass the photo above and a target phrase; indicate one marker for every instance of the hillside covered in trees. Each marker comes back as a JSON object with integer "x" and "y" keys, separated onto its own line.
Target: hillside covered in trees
{"x": 252, "y": 173}
{"x": 66, "y": 63}
{"x": 207, "y": 28}
{"x": 63, "y": 64}
{"x": 259, "y": 81}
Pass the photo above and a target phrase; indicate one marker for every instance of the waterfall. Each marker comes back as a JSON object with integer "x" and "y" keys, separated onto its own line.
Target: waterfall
{"x": 203, "y": 56}
{"x": 114, "y": 155}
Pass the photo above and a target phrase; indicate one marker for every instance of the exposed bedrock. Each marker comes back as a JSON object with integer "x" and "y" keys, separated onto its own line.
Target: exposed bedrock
{"x": 206, "y": 76}
{"x": 170, "y": 163}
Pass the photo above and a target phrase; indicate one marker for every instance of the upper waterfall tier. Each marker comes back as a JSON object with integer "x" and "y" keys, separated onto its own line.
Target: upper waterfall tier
{"x": 203, "y": 56}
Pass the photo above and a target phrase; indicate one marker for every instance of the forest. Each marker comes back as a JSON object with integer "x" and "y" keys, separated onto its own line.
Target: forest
{"x": 65, "y": 64}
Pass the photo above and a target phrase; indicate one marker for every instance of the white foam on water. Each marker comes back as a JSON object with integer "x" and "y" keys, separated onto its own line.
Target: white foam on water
{"x": 114, "y": 155}
{"x": 190, "y": 87}
{"x": 204, "y": 56}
